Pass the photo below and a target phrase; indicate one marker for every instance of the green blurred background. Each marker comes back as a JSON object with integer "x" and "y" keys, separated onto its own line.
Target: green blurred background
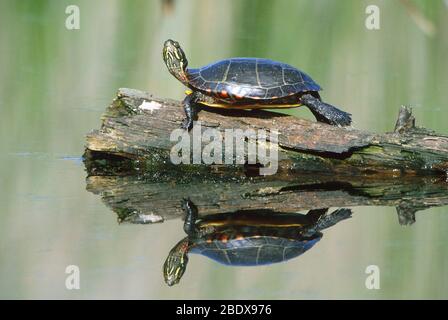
{"x": 55, "y": 83}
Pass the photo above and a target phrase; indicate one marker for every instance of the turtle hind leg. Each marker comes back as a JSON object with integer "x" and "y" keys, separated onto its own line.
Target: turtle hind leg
{"x": 336, "y": 216}
{"x": 315, "y": 214}
{"x": 325, "y": 112}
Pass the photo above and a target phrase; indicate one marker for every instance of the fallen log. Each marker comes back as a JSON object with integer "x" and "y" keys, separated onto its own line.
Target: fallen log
{"x": 135, "y": 137}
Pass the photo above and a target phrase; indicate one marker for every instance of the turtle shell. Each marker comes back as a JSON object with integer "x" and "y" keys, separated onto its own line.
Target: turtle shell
{"x": 253, "y": 251}
{"x": 250, "y": 78}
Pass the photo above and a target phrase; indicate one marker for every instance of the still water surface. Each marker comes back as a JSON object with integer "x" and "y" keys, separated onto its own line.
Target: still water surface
{"x": 55, "y": 83}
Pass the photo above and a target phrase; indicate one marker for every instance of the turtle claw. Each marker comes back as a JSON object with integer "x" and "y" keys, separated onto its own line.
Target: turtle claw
{"x": 343, "y": 119}
{"x": 342, "y": 214}
{"x": 188, "y": 206}
{"x": 185, "y": 203}
{"x": 187, "y": 124}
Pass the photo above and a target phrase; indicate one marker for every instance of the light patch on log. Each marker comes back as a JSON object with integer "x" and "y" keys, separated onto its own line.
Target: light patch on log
{"x": 141, "y": 218}
{"x": 150, "y": 218}
{"x": 150, "y": 106}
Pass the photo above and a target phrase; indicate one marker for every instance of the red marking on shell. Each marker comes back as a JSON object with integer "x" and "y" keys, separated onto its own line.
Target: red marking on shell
{"x": 208, "y": 90}
{"x": 209, "y": 240}
{"x": 239, "y": 237}
{"x": 224, "y": 94}
{"x": 239, "y": 97}
{"x": 224, "y": 238}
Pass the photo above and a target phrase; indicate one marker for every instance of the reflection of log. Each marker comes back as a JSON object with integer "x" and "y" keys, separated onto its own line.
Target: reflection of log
{"x": 141, "y": 137}
{"x": 138, "y": 199}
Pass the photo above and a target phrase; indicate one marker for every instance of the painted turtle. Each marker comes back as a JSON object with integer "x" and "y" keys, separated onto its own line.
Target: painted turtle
{"x": 247, "y": 237}
{"x": 247, "y": 83}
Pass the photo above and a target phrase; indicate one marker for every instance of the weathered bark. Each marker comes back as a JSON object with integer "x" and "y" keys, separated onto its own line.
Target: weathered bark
{"x": 139, "y": 138}
{"x": 149, "y": 199}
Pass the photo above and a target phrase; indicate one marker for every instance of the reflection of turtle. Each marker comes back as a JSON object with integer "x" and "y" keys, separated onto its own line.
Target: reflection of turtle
{"x": 248, "y": 83}
{"x": 247, "y": 237}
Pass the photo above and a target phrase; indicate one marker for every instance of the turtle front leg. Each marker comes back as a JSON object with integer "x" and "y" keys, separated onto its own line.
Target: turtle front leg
{"x": 190, "y": 108}
{"x": 325, "y": 112}
{"x": 191, "y": 215}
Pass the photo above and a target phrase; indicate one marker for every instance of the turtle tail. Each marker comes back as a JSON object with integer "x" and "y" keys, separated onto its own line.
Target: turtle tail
{"x": 325, "y": 112}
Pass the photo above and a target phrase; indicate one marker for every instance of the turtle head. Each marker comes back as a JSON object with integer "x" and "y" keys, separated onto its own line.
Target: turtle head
{"x": 176, "y": 263}
{"x": 175, "y": 59}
